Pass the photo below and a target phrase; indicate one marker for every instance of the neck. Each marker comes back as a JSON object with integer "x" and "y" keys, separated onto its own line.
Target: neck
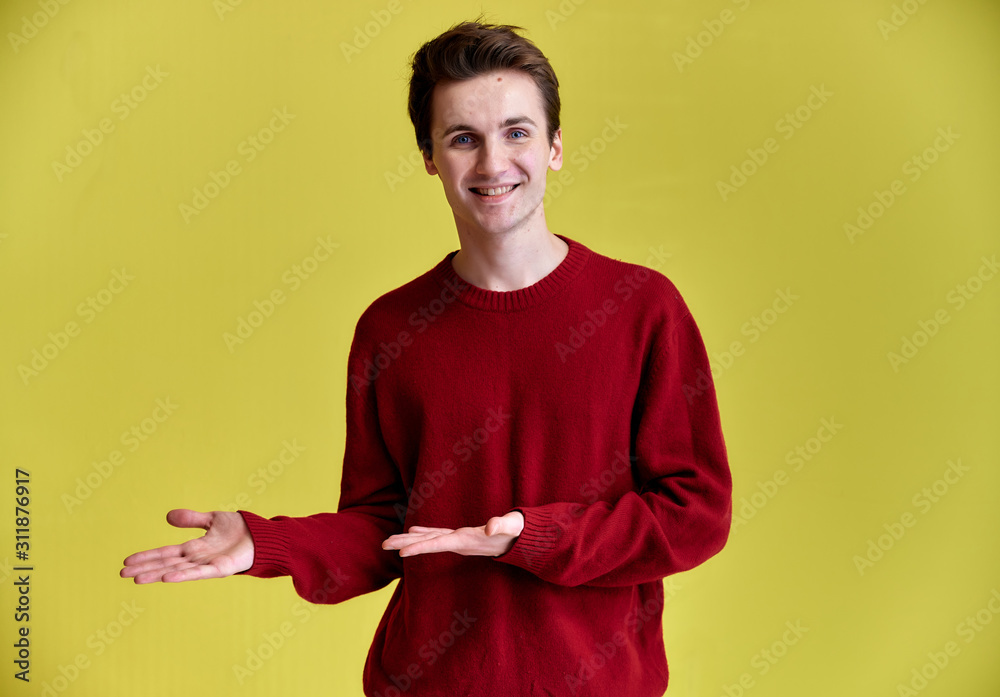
{"x": 508, "y": 261}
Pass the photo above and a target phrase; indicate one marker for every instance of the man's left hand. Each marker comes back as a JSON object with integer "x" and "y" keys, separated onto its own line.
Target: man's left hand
{"x": 490, "y": 540}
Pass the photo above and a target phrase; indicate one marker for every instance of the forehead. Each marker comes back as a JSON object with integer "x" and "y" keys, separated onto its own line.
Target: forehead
{"x": 486, "y": 99}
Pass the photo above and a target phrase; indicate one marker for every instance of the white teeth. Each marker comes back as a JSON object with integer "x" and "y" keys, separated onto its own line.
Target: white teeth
{"x": 494, "y": 192}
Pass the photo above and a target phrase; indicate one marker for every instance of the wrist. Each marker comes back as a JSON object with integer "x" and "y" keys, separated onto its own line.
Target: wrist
{"x": 520, "y": 522}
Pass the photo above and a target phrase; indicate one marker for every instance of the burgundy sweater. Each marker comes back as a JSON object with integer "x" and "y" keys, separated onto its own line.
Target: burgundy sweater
{"x": 585, "y": 402}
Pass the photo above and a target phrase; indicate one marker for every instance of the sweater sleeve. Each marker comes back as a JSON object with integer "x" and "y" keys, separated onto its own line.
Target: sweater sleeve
{"x": 680, "y": 515}
{"x": 333, "y": 557}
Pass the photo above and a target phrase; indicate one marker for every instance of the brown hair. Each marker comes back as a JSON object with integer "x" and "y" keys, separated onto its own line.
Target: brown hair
{"x": 470, "y": 49}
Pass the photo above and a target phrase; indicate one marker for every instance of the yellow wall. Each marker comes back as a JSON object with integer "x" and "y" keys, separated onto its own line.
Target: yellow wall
{"x": 847, "y": 102}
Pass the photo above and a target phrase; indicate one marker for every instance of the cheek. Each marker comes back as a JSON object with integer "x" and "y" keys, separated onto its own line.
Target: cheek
{"x": 447, "y": 175}
{"x": 535, "y": 161}
{"x": 453, "y": 169}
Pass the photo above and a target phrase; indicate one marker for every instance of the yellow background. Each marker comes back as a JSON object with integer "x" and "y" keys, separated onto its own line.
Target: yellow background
{"x": 338, "y": 171}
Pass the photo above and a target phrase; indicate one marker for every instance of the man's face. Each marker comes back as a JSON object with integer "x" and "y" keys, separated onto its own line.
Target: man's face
{"x": 490, "y": 132}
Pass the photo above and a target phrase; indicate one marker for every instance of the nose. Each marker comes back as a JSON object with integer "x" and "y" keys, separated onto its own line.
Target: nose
{"x": 492, "y": 159}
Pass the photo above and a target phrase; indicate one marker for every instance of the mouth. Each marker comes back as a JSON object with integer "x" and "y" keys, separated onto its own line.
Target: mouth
{"x": 494, "y": 194}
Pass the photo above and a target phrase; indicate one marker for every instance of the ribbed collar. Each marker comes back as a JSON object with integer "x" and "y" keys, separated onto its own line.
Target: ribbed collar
{"x": 510, "y": 300}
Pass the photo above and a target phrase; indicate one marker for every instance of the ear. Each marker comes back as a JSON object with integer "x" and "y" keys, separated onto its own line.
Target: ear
{"x": 556, "y": 152}
{"x": 429, "y": 164}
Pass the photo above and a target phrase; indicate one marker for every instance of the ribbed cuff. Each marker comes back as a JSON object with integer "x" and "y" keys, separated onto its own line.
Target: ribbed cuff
{"x": 270, "y": 546}
{"x": 536, "y": 545}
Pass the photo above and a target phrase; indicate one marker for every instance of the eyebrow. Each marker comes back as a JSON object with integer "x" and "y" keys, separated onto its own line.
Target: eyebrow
{"x": 512, "y": 121}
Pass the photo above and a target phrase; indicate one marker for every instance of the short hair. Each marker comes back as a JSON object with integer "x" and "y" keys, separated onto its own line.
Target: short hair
{"x": 470, "y": 49}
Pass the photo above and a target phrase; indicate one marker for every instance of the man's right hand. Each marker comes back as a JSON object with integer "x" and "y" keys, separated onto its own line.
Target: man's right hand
{"x": 225, "y": 549}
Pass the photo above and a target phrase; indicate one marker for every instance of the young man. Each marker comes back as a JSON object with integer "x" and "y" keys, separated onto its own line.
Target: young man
{"x": 533, "y": 441}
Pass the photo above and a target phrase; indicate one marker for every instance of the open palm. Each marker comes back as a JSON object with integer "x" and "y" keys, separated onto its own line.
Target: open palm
{"x": 225, "y": 549}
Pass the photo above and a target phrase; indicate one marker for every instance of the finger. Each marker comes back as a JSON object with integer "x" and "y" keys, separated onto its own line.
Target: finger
{"x": 155, "y": 575}
{"x": 181, "y": 518}
{"x": 186, "y": 518}
{"x": 438, "y": 543}
{"x": 400, "y": 541}
{"x": 421, "y": 528}
{"x": 187, "y": 571}
{"x": 152, "y": 554}
{"x": 412, "y": 550}
{"x": 158, "y": 564}
{"x": 193, "y": 573}
{"x": 404, "y": 536}
{"x": 407, "y": 542}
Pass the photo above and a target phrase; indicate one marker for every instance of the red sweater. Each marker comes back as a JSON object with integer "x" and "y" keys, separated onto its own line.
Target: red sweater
{"x": 583, "y": 401}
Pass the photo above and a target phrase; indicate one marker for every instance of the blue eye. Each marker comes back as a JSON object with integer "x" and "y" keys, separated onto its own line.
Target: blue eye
{"x": 458, "y": 139}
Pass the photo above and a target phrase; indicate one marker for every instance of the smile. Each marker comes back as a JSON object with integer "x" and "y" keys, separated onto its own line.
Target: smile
{"x": 494, "y": 193}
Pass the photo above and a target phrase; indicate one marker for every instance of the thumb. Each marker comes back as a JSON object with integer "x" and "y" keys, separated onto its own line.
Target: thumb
{"x": 494, "y": 526}
{"x": 504, "y": 525}
{"x": 186, "y": 518}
